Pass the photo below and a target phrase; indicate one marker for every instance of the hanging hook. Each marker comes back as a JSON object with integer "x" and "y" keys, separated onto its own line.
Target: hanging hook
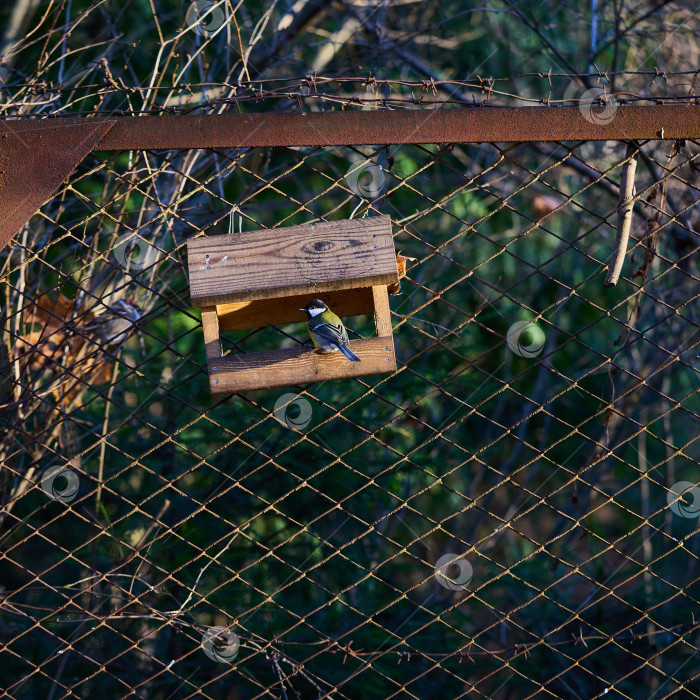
{"x": 230, "y": 219}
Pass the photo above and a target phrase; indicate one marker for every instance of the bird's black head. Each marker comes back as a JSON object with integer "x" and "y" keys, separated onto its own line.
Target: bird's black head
{"x": 313, "y": 308}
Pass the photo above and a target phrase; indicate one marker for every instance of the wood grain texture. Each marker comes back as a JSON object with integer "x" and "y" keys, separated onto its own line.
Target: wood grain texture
{"x": 210, "y": 328}
{"x": 382, "y": 312}
{"x": 242, "y": 315}
{"x": 308, "y": 259}
{"x": 265, "y": 370}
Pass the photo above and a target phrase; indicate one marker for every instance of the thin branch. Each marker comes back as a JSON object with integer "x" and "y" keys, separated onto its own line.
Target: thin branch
{"x": 624, "y": 214}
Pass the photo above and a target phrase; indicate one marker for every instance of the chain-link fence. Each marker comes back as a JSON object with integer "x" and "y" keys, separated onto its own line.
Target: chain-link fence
{"x": 510, "y": 514}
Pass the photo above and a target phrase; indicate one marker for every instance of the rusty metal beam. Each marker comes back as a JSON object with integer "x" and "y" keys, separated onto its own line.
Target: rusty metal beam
{"x": 35, "y": 157}
{"x": 467, "y": 125}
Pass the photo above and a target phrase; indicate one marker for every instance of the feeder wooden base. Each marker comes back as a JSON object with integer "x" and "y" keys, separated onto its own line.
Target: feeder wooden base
{"x": 245, "y": 372}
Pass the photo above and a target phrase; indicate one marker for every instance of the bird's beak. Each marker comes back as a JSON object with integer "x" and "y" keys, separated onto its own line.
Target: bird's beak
{"x": 302, "y": 309}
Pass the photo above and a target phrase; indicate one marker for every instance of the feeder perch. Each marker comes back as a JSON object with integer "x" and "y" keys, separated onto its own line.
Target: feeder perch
{"x": 263, "y": 278}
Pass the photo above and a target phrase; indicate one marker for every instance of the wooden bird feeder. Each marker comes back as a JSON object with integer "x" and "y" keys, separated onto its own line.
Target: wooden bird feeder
{"x": 263, "y": 278}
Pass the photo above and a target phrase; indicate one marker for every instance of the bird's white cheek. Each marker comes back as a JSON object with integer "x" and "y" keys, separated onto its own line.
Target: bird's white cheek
{"x": 315, "y": 312}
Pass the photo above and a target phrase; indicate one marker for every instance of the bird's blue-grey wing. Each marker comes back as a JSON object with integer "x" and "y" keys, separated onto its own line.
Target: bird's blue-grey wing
{"x": 332, "y": 333}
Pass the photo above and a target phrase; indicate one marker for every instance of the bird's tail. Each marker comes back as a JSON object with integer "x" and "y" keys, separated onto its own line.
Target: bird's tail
{"x": 349, "y": 353}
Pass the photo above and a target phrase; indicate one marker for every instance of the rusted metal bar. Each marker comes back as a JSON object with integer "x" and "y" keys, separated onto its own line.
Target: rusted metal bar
{"x": 35, "y": 157}
{"x": 467, "y": 125}
{"x": 470, "y": 125}
{"x": 37, "y": 154}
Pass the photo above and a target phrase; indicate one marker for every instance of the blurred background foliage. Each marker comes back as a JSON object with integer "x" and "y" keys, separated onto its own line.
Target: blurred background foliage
{"x": 549, "y": 474}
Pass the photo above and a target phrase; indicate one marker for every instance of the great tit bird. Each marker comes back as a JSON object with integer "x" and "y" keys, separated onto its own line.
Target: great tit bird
{"x": 327, "y": 330}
